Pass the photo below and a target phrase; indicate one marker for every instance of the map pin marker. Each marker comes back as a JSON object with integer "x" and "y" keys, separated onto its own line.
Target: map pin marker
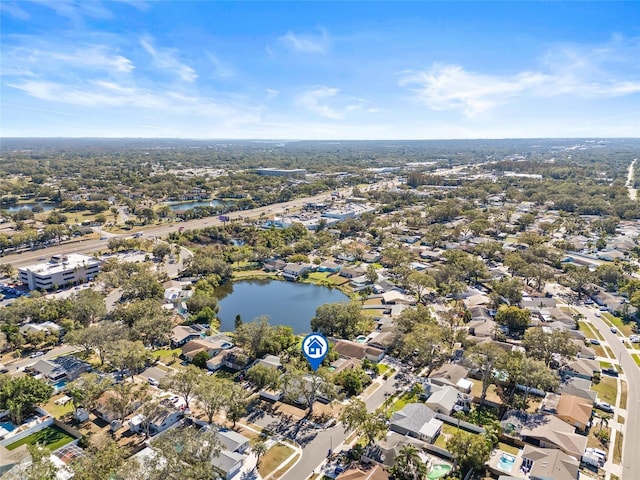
{"x": 315, "y": 348}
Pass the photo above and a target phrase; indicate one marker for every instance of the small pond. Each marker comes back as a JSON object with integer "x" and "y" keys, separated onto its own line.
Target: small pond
{"x": 189, "y": 205}
{"x": 19, "y": 206}
{"x": 286, "y": 303}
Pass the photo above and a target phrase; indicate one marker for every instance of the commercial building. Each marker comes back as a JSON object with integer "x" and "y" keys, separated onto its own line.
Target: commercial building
{"x": 60, "y": 271}
{"x": 279, "y": 172}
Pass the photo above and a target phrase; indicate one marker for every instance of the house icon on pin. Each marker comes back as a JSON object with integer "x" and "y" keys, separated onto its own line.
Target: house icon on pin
{"x": 314, "y": 347}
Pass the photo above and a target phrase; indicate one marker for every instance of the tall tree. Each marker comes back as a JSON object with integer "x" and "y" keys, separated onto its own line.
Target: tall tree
{"x": 484, "y": 357}
{"x": 356, "y": 417}
{"x": 514, "y": 318}
{"x": 408, "y": 465}
{"x": 468, "y": 450}
{"x": 543, "y": 346}
{"x": 88, "y": 306}
{"x": 20, "y": 395}
{"x": 184, "y": 382}
{"x": 186, "y": 453}
{"x": 87, "y": 389}
{"x": 40, "y": 467}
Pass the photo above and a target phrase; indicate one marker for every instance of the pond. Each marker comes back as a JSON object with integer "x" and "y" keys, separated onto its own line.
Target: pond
{"x": 19, "y": 206}
{"x": 189, "y": 205}
{"x": 286, "y": 303}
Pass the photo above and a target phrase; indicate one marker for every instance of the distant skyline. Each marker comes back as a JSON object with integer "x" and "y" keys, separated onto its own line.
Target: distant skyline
{"x": 319, "y": 70}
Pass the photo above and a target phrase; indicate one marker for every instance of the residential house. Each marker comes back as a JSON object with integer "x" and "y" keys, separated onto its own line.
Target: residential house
{"x": 394, "y": 297}
{"x": 440, "y": 398}
{"x": 234, "y": 359}
{"x": 293, "y": 271}
{"x": 574, "y": 410}
{"x": 352, "y": 272}
{"x": 274, "y": 265}
{"x": 182, "y": 334}
{"x": 543, "y": 430}
{"x": 162, "y": 417}
{"x": 581, "y": 368}
{"x": 212, "y": 345}
{"x": 360, "y": 472}
{"x": 454, "y": 375}
{"x": 48, "y": 328}
{"x": 104, "y": 410}
{"x": 360, "y": 351}
{"x": 329, "y": 266}
{"x": 385, "y": 451}
{"x": 371, "y": 257}
{"x": 416, "y": 420}
{"x": 549, "y": 463}
{"x": 228, "y": 463}
{"x": 578, "y": 387}
{"x": 232, "y": 441}
{"x": 66, "y": 367}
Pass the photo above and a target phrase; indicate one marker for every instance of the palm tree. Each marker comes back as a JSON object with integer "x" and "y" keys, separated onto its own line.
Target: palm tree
{"x": 260, "y": 448}
{"x": 409, "y": 465}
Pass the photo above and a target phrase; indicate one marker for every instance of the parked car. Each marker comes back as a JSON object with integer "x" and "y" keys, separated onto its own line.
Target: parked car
{"x": 154, "y": 382}
{"x": 634, "y": 338}
{"x": 36, "y": 354}
{"x": 593, "y": 341}
{"x": 610, "y": 371}
{"x": 604, "y": 406}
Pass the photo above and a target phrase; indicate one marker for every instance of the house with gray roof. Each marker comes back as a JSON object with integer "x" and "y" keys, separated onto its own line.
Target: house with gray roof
{"x": 418, "y": 421}
{"x": 546, "y": 463}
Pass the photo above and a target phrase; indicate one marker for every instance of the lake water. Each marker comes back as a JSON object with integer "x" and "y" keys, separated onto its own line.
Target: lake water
{"x": 286, "y": 303}
{"x": 14, "y": 208}
{"x": 188, "y": 205}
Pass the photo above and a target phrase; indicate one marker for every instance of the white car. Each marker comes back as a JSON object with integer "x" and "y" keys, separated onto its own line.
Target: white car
{"x": 604, "y": 406}
{"x": 634, "y": 338}
{"x": 154, "y": 382}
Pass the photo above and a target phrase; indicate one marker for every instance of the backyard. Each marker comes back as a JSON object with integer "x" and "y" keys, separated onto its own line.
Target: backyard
{"x": 51, "y": 437}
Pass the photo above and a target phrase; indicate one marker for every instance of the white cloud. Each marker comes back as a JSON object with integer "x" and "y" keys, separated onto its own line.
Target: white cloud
{"x": 166, "y": 59}
{"x": 14, "y": 10}
{"x": 306, "y": 43}
{"x": 603, "y": 71}
{"x": 327, "y": 102}
{"x": 220, "y": 68}
{"x": 47, "y": 59}
{"x": 271, "y": 93}
{"x": 446, "y": 87}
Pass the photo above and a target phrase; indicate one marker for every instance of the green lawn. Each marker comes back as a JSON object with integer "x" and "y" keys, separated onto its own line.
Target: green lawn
{"x": 590, "y": 331}
{"x": 273, "y": 458}
{"x": 606, "y": 389}
{"x": 405, "y": 398}
{"x": 165, "y": 355}
{"x": 636, "y": 358}
{"x": 51, "y": 437}
{"x": 624, "y": 327}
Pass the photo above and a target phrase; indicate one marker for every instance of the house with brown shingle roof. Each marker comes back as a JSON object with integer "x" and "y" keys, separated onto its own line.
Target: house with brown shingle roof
{"x": 574, "y": 410}
{"x": 545, "y": 431}
{"x": 357, "y": 473}
{"x": 360, "y": 351}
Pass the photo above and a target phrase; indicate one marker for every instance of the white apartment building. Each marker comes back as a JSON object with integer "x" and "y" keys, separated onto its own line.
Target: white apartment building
{"x": 61, "y": 270}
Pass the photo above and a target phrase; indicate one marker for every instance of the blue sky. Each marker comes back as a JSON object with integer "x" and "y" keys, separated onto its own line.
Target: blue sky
{"x": 319, "y": 70}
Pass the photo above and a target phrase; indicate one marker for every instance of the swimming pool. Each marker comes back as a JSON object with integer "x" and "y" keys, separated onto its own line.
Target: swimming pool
{"x": 59, "y": 385}
{"x": 506, "y": 462}
{"x": 6, "y": 426}
{"x": 438, "y": 471}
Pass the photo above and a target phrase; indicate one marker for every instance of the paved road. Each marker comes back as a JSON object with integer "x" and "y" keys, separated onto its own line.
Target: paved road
{"x": 90, "y": 246}
{"x": 630, "y": 457}
{"x": 53, "y": 353}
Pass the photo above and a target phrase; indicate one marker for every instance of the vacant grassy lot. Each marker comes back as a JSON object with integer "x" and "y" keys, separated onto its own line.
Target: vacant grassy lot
{"x": 607, "y": 389}
{"x": 273, "y": 458}
{"x": 50, "y": 437}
